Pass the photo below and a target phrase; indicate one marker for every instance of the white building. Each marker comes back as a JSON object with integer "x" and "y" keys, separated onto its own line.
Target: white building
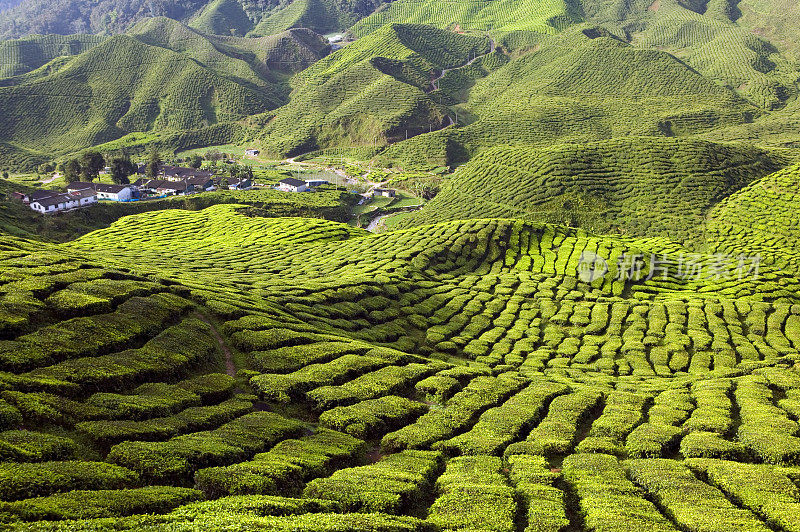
{"x": 385, "y": 192}
{"x": 59, "y": 201}
{"x": 292, "y": 185}
{"x": 104, "y": 192}
{"x": 251, "y": 152}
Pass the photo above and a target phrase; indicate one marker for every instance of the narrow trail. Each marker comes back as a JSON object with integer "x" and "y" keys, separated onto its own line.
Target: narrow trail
{"x": 492, "y": 48}
{"x": 376, "y": 222}
{"x": 230, "y": 366}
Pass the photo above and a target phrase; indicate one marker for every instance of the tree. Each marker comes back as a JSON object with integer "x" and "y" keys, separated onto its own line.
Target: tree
{"x": 153, "y": 163}
{"x": 91, "y": 164}
{"x": 121, "y": 168}
{"x": 5, "y": 174}
{"x": 213, "y": 155}
{"x": 223, "y": 184}
{"x": 72, "y": 170}
{"x": 195, "y": 161}
{"x": 46, "y": 168}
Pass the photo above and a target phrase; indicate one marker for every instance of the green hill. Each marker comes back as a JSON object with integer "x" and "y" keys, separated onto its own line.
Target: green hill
{"x": 371, "y": 91}
{"x": 162, "y": 77}
{"x": 393, "y": 373}
{"x": 345, "y": 338}
{"x": 24, "y": 55}
{"x": 635, "y": 186}
{"x": 760, "y": 219}
{"x": 223, "y": 17}
{"x": 503, "y": 16}
{"x": 579, "y": 86}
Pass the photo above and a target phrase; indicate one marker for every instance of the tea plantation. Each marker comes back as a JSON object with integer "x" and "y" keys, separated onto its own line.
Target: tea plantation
{"x": 206, "y": 369}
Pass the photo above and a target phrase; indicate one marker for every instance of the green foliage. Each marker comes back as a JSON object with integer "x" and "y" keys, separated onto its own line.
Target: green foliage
{"x": 373, "y": 418}
{"x": 474, "y": 494}
{"x": 608, "y": 500}
{"x": 101, "y": 503}
{"x": 395, "y": 483}
{"x": 179, "y": 457}
{"x": 764, "y": 489}
{"x": 25, "y": 481}
{"x": 601, "y": 186}
{"x": 284, "y": 468}
{"x": 693, "y": 504}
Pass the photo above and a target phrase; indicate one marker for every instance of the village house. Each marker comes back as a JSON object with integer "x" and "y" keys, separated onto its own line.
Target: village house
{"x": 164, "y": 187}
{"x": 312, "y": 183}
{"x": 51, "y": 201}
{"x": 234, "y": 183}
{"x": 103, "y": 191}
{"x": 181, "y": 173}
{"x": 54, "y": 203}
{"x": 20, "y": 196}
{"x": 200, "y": 184}
{"x": 385, "y": 192}
{"x": 251, "y": 152}
{"x": 292, "y": 185}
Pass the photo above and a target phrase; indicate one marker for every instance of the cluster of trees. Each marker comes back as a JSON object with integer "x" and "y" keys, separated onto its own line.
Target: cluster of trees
{"x": 88, "y": 166}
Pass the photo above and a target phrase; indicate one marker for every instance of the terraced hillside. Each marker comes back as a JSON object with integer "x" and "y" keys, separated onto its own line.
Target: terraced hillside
{"x": 636, "y": 186}
{"x": 469, "y": 374}
{"x": 222, "y": 17}
{"x": 578, "y": 86}
{"x": 371, "y": 92}
{"x": 162, "y": 77}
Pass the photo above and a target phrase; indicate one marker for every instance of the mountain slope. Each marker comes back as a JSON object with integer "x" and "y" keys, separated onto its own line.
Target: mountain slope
{"x": 762, "y": 220}
{"x": 370, "y": 91}
{"x": 162, "y": 77}
{"x": 643, "y": 187}
{"x": 24, "y": 55}
{"x": 225, "y": 17}
{"x": 578, "y": 86}
{"x": 501, "y": 16}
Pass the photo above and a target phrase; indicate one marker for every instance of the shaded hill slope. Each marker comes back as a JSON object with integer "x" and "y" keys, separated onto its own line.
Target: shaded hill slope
{"x": 371, "y": 91}
{"x": 761, "y": 219}
{"x": 580, "y": 86}
{"x": 162, "y": 77}
{"x": 635, "y": 186}
{"x": 23, "y": 55}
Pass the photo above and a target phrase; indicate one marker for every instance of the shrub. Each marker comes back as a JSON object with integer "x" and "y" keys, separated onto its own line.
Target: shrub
{"x": 499, "y": 426}
{"x": 29, "y": 446}
{"x": 534, "y": 483}
{"x": 482, "y": 392}
{"x": 107, "y": 433}
{"x": 556, "y": 434}
{"x": 284, "y": 469}
{"x": 693, "y": 504}
{"x": 391, "y": 485}
{"x": 23, "y": 481}
{"x": 652, "y": 440}
{"x": 711, "y": 445}
{"x": 178, "y": 458}
{"x": 101, "y": 503}
{"x": 173, "y": 351}
{"x": 764, "y": 489}
{"x": 284, "y": 388}
{"x": 390, "y": 380}
{"x": 608, "y": 500}
{"x": 373, "y": 418}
